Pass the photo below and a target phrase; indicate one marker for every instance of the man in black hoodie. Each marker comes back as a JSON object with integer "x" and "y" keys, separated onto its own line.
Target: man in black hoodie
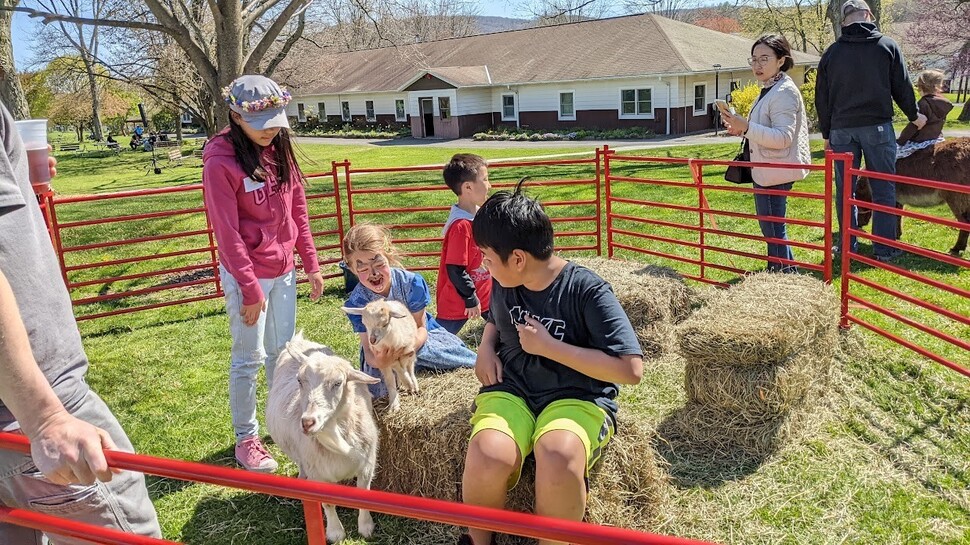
{"x": 858, "y": 79}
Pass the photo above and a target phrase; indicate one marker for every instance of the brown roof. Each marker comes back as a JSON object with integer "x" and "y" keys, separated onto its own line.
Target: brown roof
{"x": 634, "y": 45}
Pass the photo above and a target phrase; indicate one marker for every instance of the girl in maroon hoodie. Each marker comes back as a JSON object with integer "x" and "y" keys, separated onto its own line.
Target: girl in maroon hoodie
{"x": 254, "y": 196}
{"x": 935, "y": 107}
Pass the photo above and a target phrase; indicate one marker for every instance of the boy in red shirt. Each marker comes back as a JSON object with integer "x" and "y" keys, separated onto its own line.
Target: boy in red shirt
{"x": 464, "y": 285}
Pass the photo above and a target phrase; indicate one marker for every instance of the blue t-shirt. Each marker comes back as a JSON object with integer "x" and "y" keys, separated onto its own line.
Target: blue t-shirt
{"x": 406, "y": 287}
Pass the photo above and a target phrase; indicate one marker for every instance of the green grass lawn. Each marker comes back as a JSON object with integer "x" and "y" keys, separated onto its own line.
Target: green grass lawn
{"x": 890, "y": 464}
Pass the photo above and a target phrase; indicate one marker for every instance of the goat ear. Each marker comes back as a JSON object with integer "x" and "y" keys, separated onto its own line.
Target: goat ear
{"x": 298, "y": 356}
{"x": 398, "y": 314}
{"x": 360, "y": 376}
{"x": 352, "y": 311}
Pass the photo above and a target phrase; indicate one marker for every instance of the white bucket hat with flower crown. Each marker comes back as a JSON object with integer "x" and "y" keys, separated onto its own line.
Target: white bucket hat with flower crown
{"x": 259, "y": 100}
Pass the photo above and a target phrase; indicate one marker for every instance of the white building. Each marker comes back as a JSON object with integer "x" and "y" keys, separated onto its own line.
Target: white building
{"x": 638, "y": 70}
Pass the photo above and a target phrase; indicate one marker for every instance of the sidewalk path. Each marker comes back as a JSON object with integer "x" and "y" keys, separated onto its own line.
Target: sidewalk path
{"x": 583, "y": 147}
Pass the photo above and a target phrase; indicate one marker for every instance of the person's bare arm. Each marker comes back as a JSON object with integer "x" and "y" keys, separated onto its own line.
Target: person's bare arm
{"x": 64, "y": 448}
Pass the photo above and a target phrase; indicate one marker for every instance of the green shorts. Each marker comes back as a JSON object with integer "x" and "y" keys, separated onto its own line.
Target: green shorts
{"x": 510, "y": 415}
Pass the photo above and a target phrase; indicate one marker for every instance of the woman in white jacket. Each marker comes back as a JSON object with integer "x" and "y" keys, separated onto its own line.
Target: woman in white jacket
{"x": 776, "y": 132}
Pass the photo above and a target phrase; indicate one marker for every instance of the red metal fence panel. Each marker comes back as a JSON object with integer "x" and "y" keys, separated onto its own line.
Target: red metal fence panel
{"x": 138, "y": 250}
{"x": 416, "y": 226}
{"x": 691, "y": 222}
{"x": 917, "y": 297}
{"x": 314, "y": 493}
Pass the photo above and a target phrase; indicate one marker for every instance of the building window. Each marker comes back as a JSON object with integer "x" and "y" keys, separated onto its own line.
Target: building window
{"x": 735, "y": 85}
{"x": 345, "y": 110}
{"x": 400, "y": 114}
{"x": 444, "y": 107}
{"x": 567, "y": 108}
{"x": 300, "y": 112}
{"x": 321, "y": 112}
{"x": 369, "y": 107}
{"x": 508, "y": 107}
{"x": 636, "y": 102}
{"x": 700, "y": 98}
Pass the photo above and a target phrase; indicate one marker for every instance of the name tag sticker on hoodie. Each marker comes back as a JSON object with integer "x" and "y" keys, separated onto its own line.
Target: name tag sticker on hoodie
{"x": 252, "y": 185}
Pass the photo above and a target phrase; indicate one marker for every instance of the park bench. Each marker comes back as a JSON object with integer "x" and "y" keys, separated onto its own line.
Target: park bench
{"x": 76, "y": 148}
{"x": 175, "y": 156}
{"x": 168, "y": 143}
{"x": 197, "y": 153}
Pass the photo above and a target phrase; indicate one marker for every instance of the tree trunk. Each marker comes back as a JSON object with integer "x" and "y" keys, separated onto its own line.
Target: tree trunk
{"x": 965, "y": 113}
{"x": 229, "y": 35}
{"x": 11, "y": 92}
{"x": 96, "y": 130}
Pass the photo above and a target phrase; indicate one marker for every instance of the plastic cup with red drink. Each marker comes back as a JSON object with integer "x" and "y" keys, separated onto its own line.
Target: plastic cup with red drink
{"x": 34, "y": 134}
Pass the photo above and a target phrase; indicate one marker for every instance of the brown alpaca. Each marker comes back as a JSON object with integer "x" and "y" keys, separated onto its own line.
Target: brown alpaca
{"x": 945, "y": 162}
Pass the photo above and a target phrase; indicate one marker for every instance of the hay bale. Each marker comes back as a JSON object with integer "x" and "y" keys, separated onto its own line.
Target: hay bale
{"x": 653, "y": 298}
{"x": 758, "y": 391}
{"x": 723, "y": 434}
{"x": 766, "y": 319}
{"x": 423, "y": 447}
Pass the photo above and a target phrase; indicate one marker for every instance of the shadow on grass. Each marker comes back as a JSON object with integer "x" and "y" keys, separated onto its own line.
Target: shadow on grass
{"x": 692, "y": 464}
{"x": 128, "y": 328}
{"x": 163, "y": 486}
{"x": 244, "y": 517}
{"x": 925, "y": 439}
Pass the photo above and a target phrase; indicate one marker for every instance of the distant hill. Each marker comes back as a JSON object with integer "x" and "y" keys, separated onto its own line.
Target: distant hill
{"x": 490, "y": 24}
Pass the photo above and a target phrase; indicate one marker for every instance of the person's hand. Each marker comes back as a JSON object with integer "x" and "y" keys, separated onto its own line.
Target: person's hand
{"x": 474, "y": 312}
{"x": 70, "y": 451}
{"x": 384, "y": 357}
{"x": 250, "y": 313}
{"x": 825, "y": 144}
{"x": 316, "y": 285}
{"x": 51, "y": 161}
{"x": 533, "y": 336}
{"x": 488, "y": 368}
{"x": 736, "y": 124}
{"x": 920, "y": 121}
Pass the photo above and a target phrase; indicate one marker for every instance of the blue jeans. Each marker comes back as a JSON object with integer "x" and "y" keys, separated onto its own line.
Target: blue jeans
{"x": 122, "y": 503}
{"x": 877, "y": 144}
{"x": 257, "y": 345}
{"x": 454, "y": 326}
{"x": 775, "y": 205}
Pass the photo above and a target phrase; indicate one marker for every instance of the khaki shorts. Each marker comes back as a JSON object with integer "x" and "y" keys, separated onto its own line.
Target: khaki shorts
{"x": 510, "y": 415}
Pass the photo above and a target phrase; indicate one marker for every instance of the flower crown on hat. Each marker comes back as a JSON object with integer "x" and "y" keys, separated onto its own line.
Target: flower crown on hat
{"x": 253, "y": 106}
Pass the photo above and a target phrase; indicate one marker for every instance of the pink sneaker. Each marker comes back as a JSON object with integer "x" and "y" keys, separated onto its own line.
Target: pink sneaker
{"x": 252, "y": 455}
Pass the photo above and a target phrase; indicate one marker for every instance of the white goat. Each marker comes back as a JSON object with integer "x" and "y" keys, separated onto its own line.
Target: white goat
{"x": 390, "y": 326}
{"x": 319, "y": 412}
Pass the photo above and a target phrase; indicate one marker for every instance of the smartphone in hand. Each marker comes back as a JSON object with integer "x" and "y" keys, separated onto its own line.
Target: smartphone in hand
{"x": 724, "y": 106}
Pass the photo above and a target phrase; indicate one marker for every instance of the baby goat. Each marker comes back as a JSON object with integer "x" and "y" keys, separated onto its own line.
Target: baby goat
{"x": 319, "y": 413}
{"x": 391, "y": 327}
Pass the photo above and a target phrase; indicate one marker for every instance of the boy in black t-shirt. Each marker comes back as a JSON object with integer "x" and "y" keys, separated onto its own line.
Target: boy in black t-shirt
{"x": 554, "y": 350}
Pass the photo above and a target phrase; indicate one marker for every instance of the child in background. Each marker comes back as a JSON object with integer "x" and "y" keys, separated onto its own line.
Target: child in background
{"x": 369, "y": 255}
{"x": 935, "y": 107}
{"x": 554, "y": 351}
{"x": 254, "y": 194}
{"x": 464, "y": 286}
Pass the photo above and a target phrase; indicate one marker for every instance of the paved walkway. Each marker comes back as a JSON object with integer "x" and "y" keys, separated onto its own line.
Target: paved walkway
{"x": 583, "y": 147}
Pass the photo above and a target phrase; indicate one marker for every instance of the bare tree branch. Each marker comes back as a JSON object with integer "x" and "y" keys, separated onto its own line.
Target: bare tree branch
{"x": 48, "y": 18}
{"x": 256, "y": 54}
{"x": 288, "y": 45}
